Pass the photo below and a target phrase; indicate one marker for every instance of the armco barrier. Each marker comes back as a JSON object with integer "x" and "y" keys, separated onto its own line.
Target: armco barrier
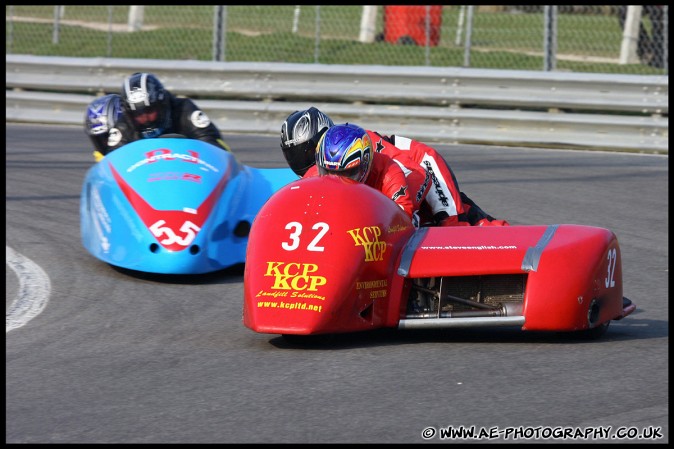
{"x": 452, "y": 105}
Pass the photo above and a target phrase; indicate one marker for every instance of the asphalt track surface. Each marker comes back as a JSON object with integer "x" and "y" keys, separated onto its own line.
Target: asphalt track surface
{"x": 114, "y": 358}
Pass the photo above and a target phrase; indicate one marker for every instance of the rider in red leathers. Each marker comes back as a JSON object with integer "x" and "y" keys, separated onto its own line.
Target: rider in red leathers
{"x": 434, "y": 188}
{"x": 448, "y": 205}
{"x": 346, "y": 150}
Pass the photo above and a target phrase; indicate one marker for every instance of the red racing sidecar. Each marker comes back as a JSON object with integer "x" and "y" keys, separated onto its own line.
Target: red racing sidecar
{"x": 327, "y": 255}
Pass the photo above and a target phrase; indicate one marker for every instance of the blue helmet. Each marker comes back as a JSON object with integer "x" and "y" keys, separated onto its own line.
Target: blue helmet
{"x": 147, "y": 103}
{"x": 345, "y": 150}
{"x": 102, "y": 115}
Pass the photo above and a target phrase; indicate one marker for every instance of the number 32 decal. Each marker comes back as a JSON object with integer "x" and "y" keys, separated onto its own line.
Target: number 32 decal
{"x": 612, "y": 258}
{"x": 295, "y": 229}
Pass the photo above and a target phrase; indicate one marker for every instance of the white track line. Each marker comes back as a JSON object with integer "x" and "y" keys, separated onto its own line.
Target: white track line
{"x": 34, "y": 290}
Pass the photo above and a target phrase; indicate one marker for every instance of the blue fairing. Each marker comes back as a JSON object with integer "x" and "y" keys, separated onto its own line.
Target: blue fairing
{"x": 173, "y": 206}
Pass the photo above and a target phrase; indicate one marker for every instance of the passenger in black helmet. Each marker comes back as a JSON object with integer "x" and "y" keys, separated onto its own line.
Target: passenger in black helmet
{"x": 149, "y": 110}
{"x": 300, "y": 134}
{"x": 147, "y": 103}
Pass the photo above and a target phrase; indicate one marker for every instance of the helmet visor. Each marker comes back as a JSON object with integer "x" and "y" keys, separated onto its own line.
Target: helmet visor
{"x": 146, "y": 117}
{"x": 355, "y": 173}
{"x": 100, "y": 142}
{"x": 301, "y": 157}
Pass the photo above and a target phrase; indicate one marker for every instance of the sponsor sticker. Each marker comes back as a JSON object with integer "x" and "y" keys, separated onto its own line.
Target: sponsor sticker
{"x": 200, "y": 119}
{"x": 114, "y": 137}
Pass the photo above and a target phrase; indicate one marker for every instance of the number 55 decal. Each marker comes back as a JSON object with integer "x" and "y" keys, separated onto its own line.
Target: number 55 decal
{"x": 188, "y": 228}
{"x": 296, "y": 230}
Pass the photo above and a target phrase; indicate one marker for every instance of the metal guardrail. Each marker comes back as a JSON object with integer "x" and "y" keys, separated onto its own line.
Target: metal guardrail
{"x": 453, "y": 105}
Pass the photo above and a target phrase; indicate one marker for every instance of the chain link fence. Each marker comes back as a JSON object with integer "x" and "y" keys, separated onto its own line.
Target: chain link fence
{"x": 572, "y": 38}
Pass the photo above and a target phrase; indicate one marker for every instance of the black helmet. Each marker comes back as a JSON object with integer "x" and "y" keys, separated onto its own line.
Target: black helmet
{"x": 101, "y": 116}
{"x": 148, "y": 104}
{"x": 300, "y": 134}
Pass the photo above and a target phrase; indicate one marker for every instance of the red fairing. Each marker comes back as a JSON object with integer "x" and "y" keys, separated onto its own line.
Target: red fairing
{"x": 327, "y": 255}
{"x": 320, "y": 259}
{"x": 569, "y": 268}
{"x": 465, "y": 251}
{"x": 580, "y": 271}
